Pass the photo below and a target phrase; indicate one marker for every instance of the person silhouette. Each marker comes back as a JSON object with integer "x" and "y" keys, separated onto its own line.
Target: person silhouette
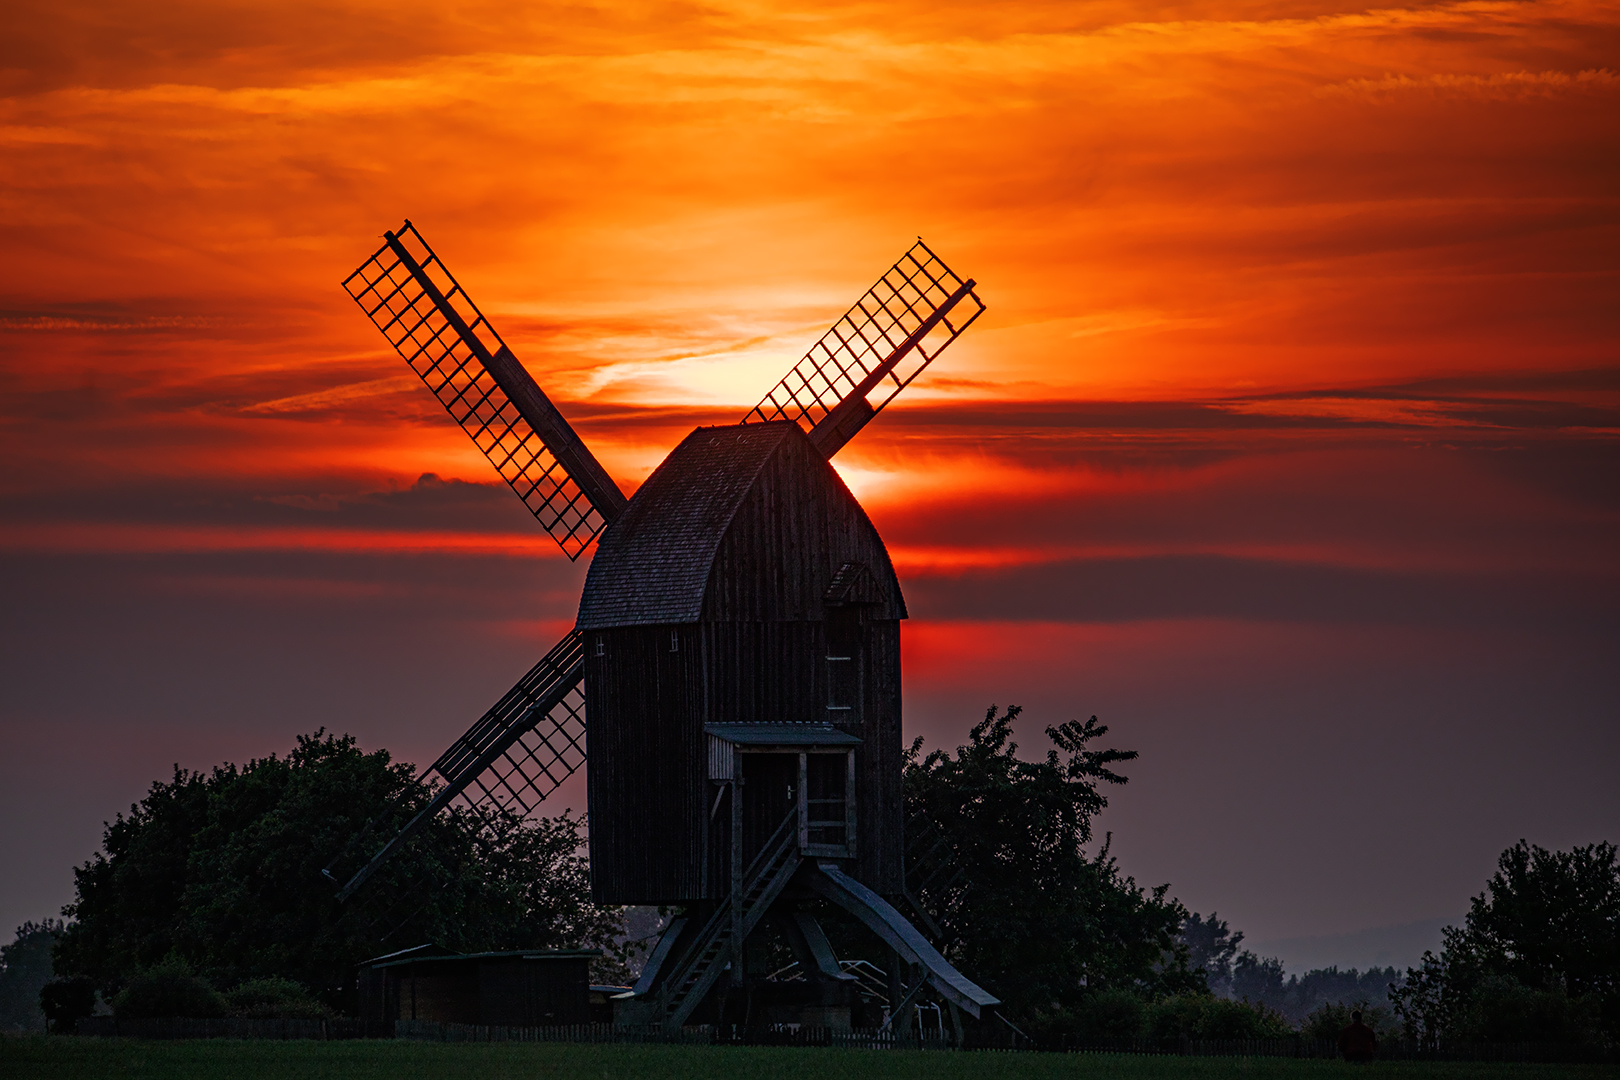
{"x": 1357, "y": 1042}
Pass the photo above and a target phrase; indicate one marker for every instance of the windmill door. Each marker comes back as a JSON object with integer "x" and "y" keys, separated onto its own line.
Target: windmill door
{"x": 811, "y": 786}
{"x": 769, "y": 793}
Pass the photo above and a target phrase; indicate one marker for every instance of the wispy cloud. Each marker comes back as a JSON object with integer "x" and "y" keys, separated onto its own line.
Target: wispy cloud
{"x": 1502, "y": 85}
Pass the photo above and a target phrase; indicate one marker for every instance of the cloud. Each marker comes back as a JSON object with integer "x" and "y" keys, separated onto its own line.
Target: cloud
{"x": 1503, "y": 85}
{"x": 1269, "y": 590}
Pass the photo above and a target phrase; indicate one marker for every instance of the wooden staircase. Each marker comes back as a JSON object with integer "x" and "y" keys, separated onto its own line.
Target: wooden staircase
{"x": 721, "y": 937}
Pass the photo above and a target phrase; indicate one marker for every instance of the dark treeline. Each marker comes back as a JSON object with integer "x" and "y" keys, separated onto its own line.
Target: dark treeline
{"x": 207, "y": 899}
{"x": 1239, "y": 974}
{"x": 1537, "y": 959}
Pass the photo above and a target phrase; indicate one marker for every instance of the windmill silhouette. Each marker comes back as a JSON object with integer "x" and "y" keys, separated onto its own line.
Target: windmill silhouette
{"x": 737, "y": 642}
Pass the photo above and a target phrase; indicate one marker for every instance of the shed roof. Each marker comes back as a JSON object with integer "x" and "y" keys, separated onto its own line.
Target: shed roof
{"x": 455, "y": 957}
{"x": 782, "y": 734}
{"x": 652, "y": 564}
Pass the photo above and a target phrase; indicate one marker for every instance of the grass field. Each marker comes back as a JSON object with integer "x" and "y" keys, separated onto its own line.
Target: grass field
{"x": 213, "y": 1059}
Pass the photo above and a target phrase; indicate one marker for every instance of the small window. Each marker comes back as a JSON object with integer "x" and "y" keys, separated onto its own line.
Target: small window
{"x": 601, "y": 645}
{"x": 674, "y": 641}
{"x": 840, "y": 683}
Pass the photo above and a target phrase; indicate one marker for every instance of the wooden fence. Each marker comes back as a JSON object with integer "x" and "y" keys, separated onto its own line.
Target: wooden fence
{"x": 978, "y": 1038}
{"x": 705, "y": 1035}
{"x": 339, "y": 1028}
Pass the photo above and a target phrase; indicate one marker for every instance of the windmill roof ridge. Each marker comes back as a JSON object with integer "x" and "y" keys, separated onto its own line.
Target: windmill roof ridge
{"x": 652, "y": 564}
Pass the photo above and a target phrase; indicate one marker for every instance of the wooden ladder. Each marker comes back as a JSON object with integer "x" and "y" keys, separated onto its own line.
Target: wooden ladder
{"x": 767, "y": 876}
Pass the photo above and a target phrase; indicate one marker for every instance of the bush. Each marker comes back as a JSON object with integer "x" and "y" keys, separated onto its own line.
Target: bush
{"x": 168, "y": 990}
{"x": 1107, "y": 1016}
{"x": 67, "y": 1001}
{"x": 1113, "y": 1014}
{"x": 1204, "y": 1016}
{"x": 1504, "y": 1010}
{"x": 275, "y": 999}
{"x": 1330, "y": 1019}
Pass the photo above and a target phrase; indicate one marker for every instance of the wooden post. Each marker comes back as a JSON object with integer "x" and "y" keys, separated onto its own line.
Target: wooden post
{"x": 736, "y": 876}
{"x": 803, "y": 801}
{"x": 849, "y": 803}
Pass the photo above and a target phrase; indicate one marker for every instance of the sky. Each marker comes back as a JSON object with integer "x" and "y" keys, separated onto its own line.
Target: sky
{"x": 1288, "y": 444}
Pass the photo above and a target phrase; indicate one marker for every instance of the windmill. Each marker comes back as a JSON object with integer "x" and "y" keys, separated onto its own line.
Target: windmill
{"x": 737, "y": 642}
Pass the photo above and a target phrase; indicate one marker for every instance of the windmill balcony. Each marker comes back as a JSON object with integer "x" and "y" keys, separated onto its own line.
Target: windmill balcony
{"x": 774, "y": 769}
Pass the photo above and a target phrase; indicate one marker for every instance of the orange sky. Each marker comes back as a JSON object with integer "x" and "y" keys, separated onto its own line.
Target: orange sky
{"x": 1305, "y": 288}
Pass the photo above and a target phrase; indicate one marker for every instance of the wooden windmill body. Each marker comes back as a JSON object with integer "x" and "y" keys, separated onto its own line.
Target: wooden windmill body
{"x": 737, "y": 642}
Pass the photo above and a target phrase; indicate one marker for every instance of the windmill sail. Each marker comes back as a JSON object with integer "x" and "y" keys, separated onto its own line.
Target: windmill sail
{"x": 517, "y": 753}
{"x": 426, "y": 315}
{"x": 882, "y": 343}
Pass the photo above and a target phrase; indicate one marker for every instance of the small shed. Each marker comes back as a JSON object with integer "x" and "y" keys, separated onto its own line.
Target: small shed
{"x": 524, "y": 988}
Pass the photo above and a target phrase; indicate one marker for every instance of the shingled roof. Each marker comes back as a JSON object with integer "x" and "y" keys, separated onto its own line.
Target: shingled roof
{"x": 652, "y": 564}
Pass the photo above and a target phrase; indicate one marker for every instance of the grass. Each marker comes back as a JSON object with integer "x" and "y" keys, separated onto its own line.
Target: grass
{"x": 212, "y": 1059}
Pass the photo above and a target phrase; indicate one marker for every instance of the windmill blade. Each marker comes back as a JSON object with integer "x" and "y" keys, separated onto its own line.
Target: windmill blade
{"x": 518, "y": 752}
{"x": 425, "y": 314}
{"x": 880, "y": 345}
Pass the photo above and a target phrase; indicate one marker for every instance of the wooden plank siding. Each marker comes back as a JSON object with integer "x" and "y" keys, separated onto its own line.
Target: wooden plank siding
{"x": 737, "y": 569}
{"x": 645, "y": 784}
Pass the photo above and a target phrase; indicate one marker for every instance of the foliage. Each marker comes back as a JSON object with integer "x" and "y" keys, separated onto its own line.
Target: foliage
{"x": 1314, "y": 1001}
{"x": 224, "y": 871}
{"x": 1254, "y": 979}
{"x": 1538, "y": 956}
{"x": 1112, "y": 1014}
{"x": 1122, "y": 1015}
{"x": 67, "y": 1001}
{"x": 1040, "y": 923}
{"x": 1108, "y": 1015}
{"x": 274, "y": 999}
{"x": 1329, "y": 1019}
{"x": 1551, "y": 919}
{"x": 1502, "y": 1009}
{"x": 1212, "y": 947}
{"x": 168, "y": 989}
{"x": 1297, "y": 996}
{"x": 25, "y": 968}
{"x": 1205, "y": 1016}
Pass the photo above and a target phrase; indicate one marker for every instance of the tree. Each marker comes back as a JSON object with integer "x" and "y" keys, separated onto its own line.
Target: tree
{"x": 1299, "y": 997}
{"x": 25, "y": 968}
{"x": 1039, "y": 922}
{"x": 1538, "y": 956}
{"x": 1256, "y": 979}
{"x": 222, "y": 873}
{"x": 1211, "y": 946}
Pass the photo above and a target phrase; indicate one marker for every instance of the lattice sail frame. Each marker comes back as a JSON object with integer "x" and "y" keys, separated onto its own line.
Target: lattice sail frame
{"x": 882, "y": 322}
{"x": 505, "y": 793}
{"x": 404, "y": 309}
{"x": 502, "y": 768}
{"x": 531, "y": 768}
